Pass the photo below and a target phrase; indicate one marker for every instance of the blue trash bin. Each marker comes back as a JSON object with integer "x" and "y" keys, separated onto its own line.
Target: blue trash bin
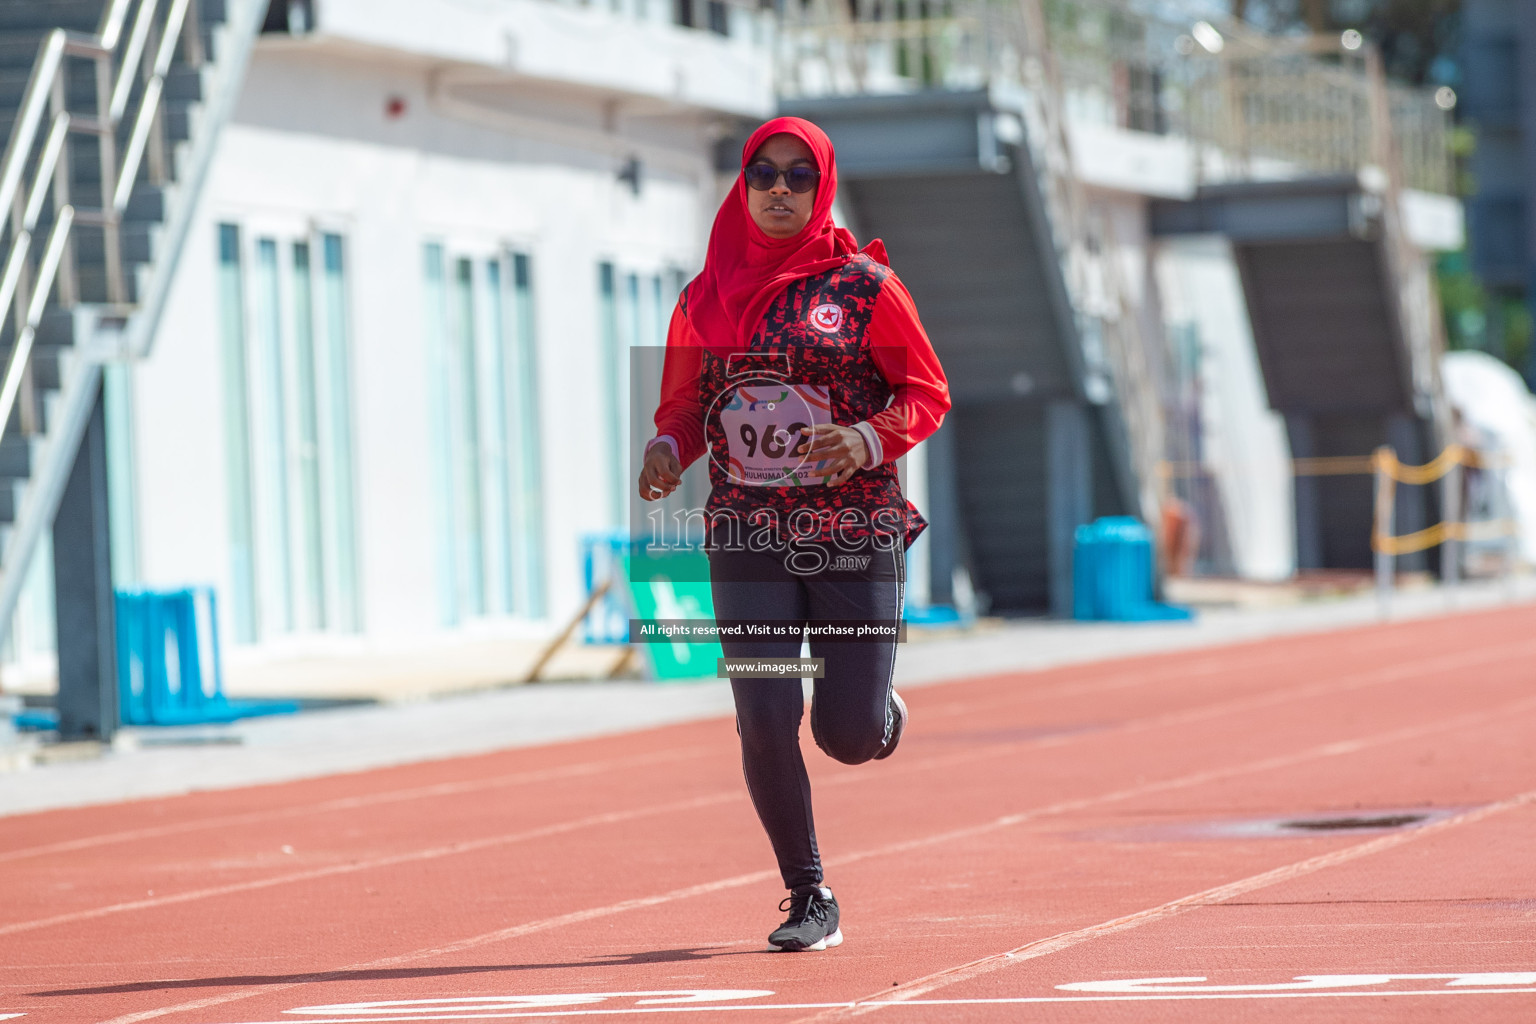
{"x": 1112, "y": 575}
{"x": 168, "y": 668}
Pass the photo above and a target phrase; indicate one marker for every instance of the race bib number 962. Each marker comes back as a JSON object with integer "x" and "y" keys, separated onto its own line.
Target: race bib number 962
{"x": 762, "y": 420}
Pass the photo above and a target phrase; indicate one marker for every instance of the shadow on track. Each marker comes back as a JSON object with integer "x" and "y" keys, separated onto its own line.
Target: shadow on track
{"x": 652, "y": 956}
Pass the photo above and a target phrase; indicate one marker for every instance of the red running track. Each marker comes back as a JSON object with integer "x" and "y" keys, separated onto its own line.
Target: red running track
{"x": 1042, "y": 845}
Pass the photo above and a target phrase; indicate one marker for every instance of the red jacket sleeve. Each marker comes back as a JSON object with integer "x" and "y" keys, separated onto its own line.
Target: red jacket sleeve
{"x": 680, "y": 416}
{"x": 906, "y": 359}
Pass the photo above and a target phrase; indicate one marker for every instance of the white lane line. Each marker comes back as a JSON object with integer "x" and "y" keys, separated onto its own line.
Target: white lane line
{"x": 501, "y": 934}
{"x": 1376, "y": 677}
{"x": 1326, "y": 750}
{"x": 1118, "y": 678}
{"x": 1001, "y": 1001}
{"x": 570, "y": 771}
{"x": 1206, "y": 712}
{"x": 413, "y": 856}
{"x": 1219, "y": 661}
{"x": 1205, "y": 898}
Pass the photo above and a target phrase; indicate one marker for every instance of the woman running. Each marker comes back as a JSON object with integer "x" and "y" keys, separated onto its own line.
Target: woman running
{"x": 797, "y": 362}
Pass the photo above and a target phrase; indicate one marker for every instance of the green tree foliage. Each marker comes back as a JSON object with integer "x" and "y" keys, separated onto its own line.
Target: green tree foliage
{"x": 1415, "y": 36}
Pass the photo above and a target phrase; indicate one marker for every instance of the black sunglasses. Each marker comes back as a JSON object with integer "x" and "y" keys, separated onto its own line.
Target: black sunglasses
{"x": 761, "y": 177}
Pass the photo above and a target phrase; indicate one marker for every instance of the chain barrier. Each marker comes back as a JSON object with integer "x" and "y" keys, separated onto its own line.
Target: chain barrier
{"x": 1446, "y": 466}
{"x": 1389, "y": 472}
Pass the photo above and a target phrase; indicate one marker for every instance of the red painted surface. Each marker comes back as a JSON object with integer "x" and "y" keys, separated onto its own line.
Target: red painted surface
{"x": 1035, "y": 830}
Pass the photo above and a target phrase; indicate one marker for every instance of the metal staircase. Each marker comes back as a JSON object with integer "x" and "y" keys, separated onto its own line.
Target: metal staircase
{"x": 112, "y": 109}
{"x": 948, "y": 118}
{"x": 1342, "y": 305}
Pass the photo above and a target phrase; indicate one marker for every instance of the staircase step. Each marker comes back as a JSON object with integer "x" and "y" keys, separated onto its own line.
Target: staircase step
{"x": 137, "y": 238}
{"x": 15, "y": 456}
{"x": 80, "y": 15}
{"x": 181, "y": 83}
{"x": 48, "y": 366}
{"x": 85, "y": 162}
{"x": 19, "y": 42}
{"x": 13, "y": 425}
{"x": 80, "y": 81}
{"x": 19, "y": 48}
{"x": 146, "y": 204}
{"x": 93, "y": 284}
{"x": 56, "y": 329}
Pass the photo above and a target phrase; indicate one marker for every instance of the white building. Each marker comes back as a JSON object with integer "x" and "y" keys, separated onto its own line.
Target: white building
{"x": 395, "y": 339}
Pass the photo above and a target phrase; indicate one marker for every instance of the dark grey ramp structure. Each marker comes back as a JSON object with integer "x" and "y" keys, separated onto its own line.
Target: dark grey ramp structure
{"x": 1034, "y": 446}
{"x": 1324, "y": 303}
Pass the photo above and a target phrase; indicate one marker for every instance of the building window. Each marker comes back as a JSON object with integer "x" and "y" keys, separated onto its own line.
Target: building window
{"x": 237, "y": 440}
{"x": 703, "y": 14}
{"x": 338, "y": 485}
{"x": 523, "y": 388}
{"x": 633, "y": 310}
{"x": 484, "y": 381}
{"x": 295, "y": 17}
{"x": 288, "y": 439}
{"x": 718, "y": 17}
{"x": 613, "y": 353}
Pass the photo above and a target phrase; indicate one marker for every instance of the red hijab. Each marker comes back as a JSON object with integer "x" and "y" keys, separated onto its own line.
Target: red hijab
{"x": 745, "y": 269}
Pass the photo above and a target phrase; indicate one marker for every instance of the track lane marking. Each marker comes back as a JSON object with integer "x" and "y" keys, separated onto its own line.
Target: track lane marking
{"x": 1125, "y": 676}
{"x": 1217, "y": 658}
{"x": 1000, "y": 1001}
{"x": 1164, "y": 911}
{"x": 1119, "y": 678}
{"x": 413, "y": 856}
{"x": 572, "y": 771}
{"x": 1199, "y": 713}
{"x": 1377, "y": 677}
{"x": 1337, "y": 748}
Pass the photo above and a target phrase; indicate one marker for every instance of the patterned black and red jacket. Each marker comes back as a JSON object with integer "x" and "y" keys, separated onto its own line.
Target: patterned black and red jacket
{"x": 854, "y": 331}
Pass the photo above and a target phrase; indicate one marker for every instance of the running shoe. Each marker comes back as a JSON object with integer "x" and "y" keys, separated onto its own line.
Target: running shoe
{"x": 899, "y": 715}
{"x": 812, "y": 921}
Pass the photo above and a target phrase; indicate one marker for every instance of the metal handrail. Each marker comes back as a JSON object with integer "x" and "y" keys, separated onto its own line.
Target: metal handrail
{"x": 985, "y": 43}
{"x": 137, "y": 61}
{"x": 1287, "y": 99}
{"x": 1267, "y": 106}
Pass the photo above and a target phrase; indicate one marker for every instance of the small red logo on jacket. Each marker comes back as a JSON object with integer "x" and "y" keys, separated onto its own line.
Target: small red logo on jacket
{"x": 827, "y": 317}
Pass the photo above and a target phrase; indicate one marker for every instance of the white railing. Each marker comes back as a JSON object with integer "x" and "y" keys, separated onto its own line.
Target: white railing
{"x": 1250, "y": 106}
{"x": 1303, "y": 101}
{"x": 133, "y": 51}
{"x": 894, "y": 46}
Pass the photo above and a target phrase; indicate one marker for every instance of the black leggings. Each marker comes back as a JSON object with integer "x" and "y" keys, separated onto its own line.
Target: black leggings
{"x": 850, "y": 710}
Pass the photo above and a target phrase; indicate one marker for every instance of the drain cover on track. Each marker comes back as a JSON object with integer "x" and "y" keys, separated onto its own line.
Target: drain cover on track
{"x": 1290, "y": 826}
{"x": 1354, "y": 823}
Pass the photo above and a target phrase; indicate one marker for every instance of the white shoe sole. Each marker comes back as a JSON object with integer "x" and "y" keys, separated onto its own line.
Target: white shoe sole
{"x": 835, "y": 939}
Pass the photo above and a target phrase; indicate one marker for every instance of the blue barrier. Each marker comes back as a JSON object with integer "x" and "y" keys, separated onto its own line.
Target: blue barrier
{"x": 38, "y": 720}
{"x": 602, "y": 558}
{"x": 934, "y": 615}
{"x": 1112, "y": 574}
{"x": 168, "y": 666}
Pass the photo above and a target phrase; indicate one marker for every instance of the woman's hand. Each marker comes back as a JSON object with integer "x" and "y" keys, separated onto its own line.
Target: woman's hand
{"x": 661, "y": 473}
{"x": 842, "y": 447}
